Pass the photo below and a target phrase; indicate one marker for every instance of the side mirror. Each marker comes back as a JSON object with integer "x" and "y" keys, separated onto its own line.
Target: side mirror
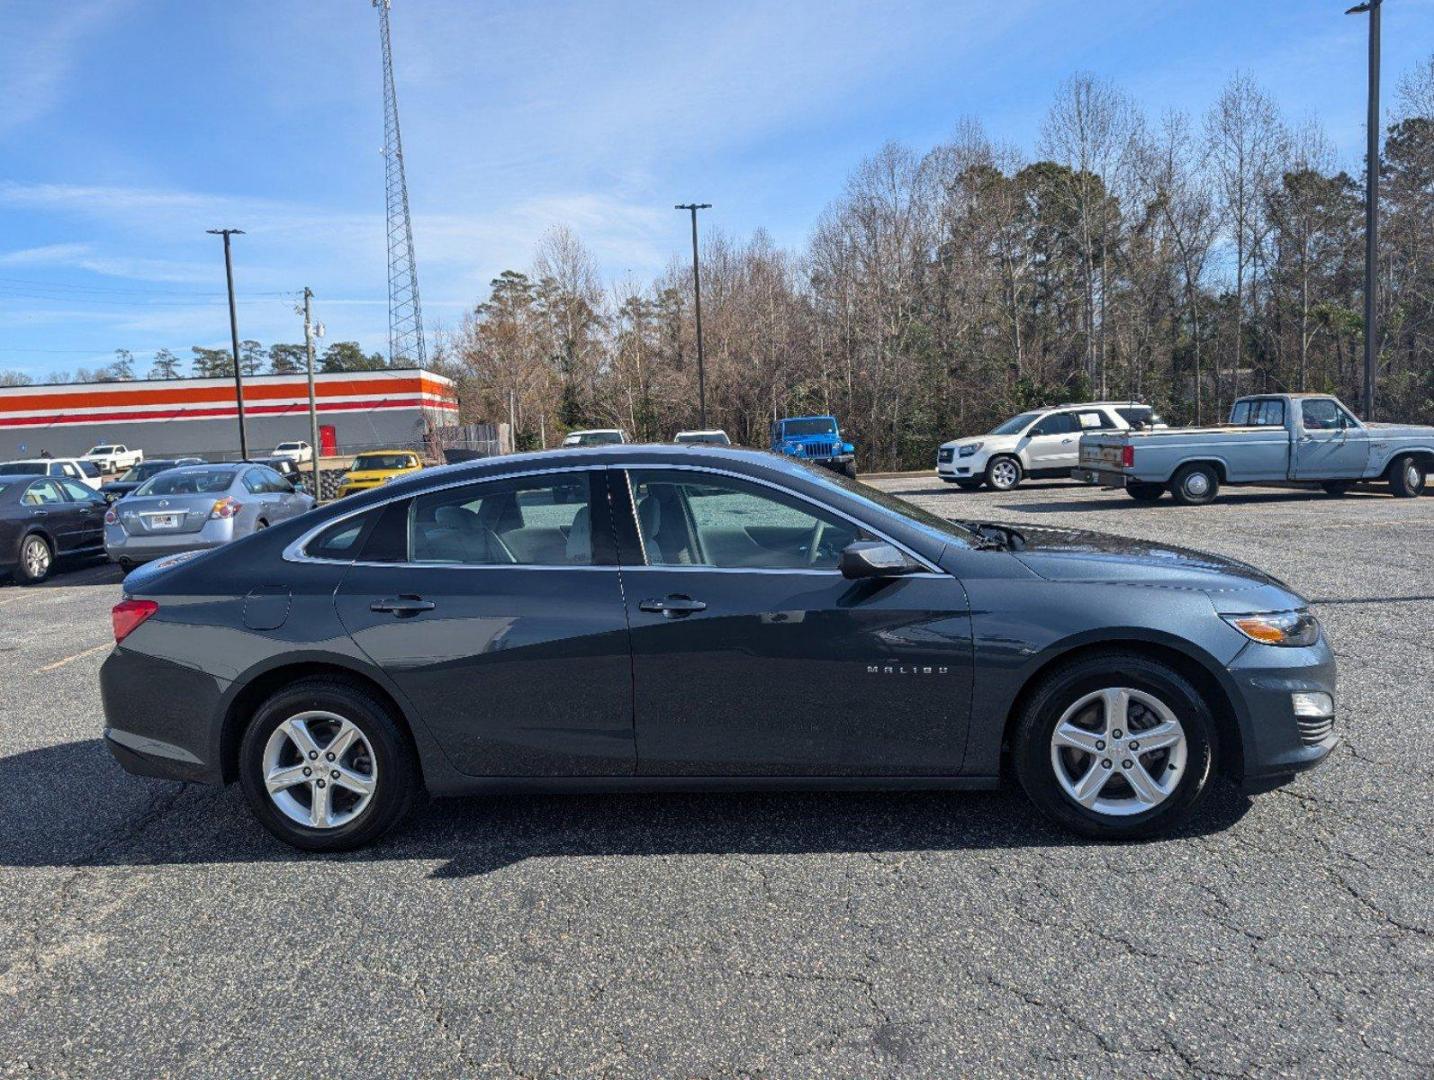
{"x": 875, "y": 559}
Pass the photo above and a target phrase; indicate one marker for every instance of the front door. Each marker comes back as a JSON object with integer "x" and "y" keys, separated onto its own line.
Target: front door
{"x": 1054, "y": 443}
{"x": 753, "y": 656}
{"x": 496, "y": 607}
{"x": 1330, "y": 444}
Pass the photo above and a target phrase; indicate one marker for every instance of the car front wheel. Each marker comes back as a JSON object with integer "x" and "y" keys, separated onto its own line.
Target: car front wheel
{"x": 1003, "y": 473}
{"x": 326, "y": 767}
{"x": 1115, "y": 746}
{"x": 1406, "y": 477}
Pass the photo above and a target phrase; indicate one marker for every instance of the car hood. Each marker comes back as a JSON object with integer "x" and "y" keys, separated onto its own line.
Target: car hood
{"x": 1413, "y": 431}
{"x": 1077, "y": 555}
{"x": 368, "y": 476}
{"x": 987, "y": 440}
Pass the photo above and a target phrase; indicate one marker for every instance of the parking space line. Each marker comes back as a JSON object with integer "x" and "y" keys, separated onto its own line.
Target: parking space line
{"x": 61, "y": 663}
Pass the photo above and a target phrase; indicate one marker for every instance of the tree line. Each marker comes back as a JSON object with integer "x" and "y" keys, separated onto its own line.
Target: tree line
{"x": 254, "y": 359}
{"x": 1177, "y": 260}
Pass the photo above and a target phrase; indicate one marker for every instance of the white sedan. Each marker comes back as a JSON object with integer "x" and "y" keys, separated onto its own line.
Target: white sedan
{"x": 297, "y": 450}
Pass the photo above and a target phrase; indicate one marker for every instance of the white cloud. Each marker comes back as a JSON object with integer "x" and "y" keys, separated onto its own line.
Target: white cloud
{"x": 39, "y": 50}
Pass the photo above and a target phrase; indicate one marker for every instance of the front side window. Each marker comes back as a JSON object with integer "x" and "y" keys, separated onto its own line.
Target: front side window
{"x": 77, "y": 491}
{"x": 1056, "y": 424}
{"x": 524, "y": 521}
{"x": 705, "y": 519}
{"x": 1322, "y": 414}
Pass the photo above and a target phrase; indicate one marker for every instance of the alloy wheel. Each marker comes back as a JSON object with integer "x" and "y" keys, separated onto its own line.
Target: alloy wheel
{"x": 1118, "y": 751}
{"x": 319, "y": 770}
{"x": 1004, "y": 474}
{"x": 37, "y": 558}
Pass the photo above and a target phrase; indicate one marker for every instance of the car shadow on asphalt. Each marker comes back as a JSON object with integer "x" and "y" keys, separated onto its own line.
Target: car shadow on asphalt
{"x": 1226, "y": 498}
{"x": 73, "y": 806}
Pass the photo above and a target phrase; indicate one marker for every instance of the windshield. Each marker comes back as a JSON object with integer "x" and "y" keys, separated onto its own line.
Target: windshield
{"x": 718, "y": 438}
{"x": 102, "y": 450}
{"x": 1015, "y": 425}
{"x": 815, "y": 426}
{"x": 25, "y": 468}
{"x": 138, "y": 473}
{"x": 288, "y": 446}
{"x": 943, "y": 528}
{"x": 188, "y": 482}
{"x": 366, "y": 462}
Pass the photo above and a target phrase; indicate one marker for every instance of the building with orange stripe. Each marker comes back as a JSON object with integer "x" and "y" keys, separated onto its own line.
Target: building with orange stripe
{"x": 165, "y": 418}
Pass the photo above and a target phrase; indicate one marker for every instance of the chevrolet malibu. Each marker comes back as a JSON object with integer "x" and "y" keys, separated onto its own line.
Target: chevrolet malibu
{"x": 663, "y": 618}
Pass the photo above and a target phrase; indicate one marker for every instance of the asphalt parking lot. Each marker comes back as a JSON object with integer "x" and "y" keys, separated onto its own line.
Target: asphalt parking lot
{"x": 153, "y": 929}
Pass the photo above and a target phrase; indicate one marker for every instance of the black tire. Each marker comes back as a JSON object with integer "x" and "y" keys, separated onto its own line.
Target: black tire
{"x": 848, "y": 469}
{"x": 36, "y": 560}
{"x": 1146, "y": 493}
{"x": 1004, "y": 473}
{"x": 395, "y": 765}
{"x": 1407, "y": 477}
{"x": 969, "y": 485}
{"x": 1195, "y": 485}
{"x": 1033, "y": 753}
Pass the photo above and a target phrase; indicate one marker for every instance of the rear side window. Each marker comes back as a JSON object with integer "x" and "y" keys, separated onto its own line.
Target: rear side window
{"x": 344, "y": 539}
{"x": 526, "y": 521}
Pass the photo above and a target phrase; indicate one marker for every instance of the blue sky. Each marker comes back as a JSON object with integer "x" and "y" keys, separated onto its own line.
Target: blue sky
{"x": 131, "y": 126}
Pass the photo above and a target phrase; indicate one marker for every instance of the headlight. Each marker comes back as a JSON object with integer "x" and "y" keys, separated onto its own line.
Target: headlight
{"x": 345, "y": 478}
{"x": 971, "y": 448}
{"x": 1289, "y": 628}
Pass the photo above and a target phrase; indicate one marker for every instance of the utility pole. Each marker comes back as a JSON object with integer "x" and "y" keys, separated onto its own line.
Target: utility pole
{"x": 1371, "y": 209}
{"x": 697, "y": 298}
{"x": 313, "y": 405}
{"x": 234, "y": 336}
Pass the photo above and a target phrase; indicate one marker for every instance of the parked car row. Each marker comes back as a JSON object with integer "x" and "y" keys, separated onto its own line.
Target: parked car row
{"x": 1270, "y": 439}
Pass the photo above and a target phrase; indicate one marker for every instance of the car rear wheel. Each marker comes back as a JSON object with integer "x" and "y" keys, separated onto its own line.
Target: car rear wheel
{"x": 1195, "y": 485}
{"x": 1003, "y": 473}
{"x": 326, "y": 767}
{"x": 1115, "y": 746}
{"x": 1144, "y": 492}
{"x": 36, "y": 558}
{"x": 1407, "y": 477}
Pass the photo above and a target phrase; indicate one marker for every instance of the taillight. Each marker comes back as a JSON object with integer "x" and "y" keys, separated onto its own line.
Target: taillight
{"x": 226, "y": 507}
{"x": 111, "y": 518}
{"x": 128, "y": 614}
{"x": 1127, "y": 457}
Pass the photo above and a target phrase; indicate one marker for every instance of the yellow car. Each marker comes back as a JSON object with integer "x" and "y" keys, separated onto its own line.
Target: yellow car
{"x": 375, "y": 467}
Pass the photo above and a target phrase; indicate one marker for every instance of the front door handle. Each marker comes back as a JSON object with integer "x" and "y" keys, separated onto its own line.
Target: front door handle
{"x": 674, "y": 607}
{"x": 402, "y": 606}
{"x": 39, "y": 513}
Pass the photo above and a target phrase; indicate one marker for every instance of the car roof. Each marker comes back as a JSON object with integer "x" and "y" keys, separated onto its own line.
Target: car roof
{"x": 814, "y": 416}
{"x": 34, "y": 460}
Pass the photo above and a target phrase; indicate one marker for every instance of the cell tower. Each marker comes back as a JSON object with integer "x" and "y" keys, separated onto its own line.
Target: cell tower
{"x": 405, "y": 314}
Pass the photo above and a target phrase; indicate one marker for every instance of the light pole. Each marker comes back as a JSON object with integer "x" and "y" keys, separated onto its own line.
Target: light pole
{"x": 310, "y": 332}
{"x": 697, "y": 298}
{"x": 234, "y": 336}
{"x": 1371, "y": 207}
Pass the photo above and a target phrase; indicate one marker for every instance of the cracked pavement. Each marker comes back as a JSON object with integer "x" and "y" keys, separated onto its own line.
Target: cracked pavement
{"x": 152, "y": 929}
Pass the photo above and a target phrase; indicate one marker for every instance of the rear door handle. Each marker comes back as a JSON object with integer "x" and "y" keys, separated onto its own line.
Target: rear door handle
{"x": 674, "y": 607}
{"x": 402, "y": 605}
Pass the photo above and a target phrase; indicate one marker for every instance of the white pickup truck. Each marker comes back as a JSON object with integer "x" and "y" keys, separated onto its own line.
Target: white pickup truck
{"x": 113, "y": 457}
{"x": 1271, "y": 439}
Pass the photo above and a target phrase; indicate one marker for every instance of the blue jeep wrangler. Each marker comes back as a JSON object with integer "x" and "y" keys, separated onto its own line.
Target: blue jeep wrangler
{"x": 816, "y": 439}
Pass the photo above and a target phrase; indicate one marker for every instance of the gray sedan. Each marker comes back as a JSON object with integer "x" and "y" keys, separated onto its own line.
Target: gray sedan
{"x": 196, "y": 508}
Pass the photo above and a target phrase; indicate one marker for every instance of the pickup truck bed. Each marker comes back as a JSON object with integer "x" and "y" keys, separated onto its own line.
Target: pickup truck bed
{"x": 1299, "y": 438}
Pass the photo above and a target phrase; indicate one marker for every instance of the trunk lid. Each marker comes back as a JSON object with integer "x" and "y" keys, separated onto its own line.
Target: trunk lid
{"x": 165, "y": 515}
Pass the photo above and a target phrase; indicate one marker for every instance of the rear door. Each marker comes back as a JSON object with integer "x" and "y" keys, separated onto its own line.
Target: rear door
{"x": 1330, "y": 444}
{"x": 753, "y": 656}
{"x": 48, "y": 507}
{"x": 496, "y": 607}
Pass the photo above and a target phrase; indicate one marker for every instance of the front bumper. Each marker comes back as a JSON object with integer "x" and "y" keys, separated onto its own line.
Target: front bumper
{"x": 1274, "y": 746}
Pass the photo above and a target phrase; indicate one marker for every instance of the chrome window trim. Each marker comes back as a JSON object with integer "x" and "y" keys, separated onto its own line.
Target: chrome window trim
{"x": 632, "y": 502}
{"x": 295, "y": 553}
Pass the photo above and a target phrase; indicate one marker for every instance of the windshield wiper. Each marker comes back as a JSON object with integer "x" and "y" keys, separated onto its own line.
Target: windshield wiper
{"x": 994, "y": 537}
